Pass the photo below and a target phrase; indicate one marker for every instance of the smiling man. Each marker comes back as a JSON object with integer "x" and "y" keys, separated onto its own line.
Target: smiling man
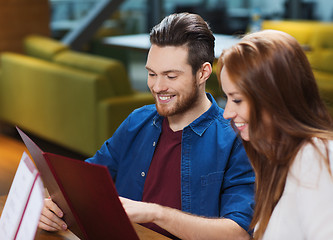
{"x": 179, "y": 94}
{"x": 178, "y": 165}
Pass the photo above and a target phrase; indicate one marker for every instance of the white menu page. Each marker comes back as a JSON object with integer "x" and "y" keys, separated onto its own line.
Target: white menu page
{"x": 21, "y": 213}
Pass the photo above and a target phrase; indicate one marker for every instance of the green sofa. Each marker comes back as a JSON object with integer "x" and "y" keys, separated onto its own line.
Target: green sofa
{"x": 317, "y": 40}
{"x": 74, "y": 99}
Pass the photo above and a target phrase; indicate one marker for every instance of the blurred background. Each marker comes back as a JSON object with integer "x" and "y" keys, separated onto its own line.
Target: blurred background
{"x": 72, "y": 70}
{"x": 139, "y": 16}
{"x": 224, "y": 16}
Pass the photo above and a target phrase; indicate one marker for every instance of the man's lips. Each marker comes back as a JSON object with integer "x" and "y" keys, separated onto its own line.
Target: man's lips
{"x": 163, "y": 98}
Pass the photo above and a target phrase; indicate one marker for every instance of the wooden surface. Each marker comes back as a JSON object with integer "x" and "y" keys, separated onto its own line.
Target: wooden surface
{"x": 11, "y": 151}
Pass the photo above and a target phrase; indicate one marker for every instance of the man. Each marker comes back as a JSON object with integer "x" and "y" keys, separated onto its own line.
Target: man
{"x": 179, "y": 161}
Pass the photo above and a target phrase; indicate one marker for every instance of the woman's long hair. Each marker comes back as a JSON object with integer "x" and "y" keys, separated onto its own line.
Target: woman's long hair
{"x": 272, "y": 72}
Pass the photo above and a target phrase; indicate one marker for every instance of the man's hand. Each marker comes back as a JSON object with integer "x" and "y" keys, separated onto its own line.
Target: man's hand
{"x": 183, "y": 225}
{"x": 50, "y": 219}
{"x": 140, "y": 212}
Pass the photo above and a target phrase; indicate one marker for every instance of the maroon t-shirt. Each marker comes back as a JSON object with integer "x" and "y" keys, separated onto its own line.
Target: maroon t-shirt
{"x": 162, "y": 185}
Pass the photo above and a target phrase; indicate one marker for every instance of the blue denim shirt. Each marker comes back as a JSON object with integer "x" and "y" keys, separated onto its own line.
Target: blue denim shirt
{"x": 217, "y": 179}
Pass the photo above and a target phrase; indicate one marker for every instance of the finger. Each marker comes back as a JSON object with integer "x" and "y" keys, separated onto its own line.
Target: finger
{"x": 52, "y": 220}
{"x": 51, "y": 224}
{"x": 47, "y": 227}
{"x": 50, "y": 217}
{"x": 49, "y": 204}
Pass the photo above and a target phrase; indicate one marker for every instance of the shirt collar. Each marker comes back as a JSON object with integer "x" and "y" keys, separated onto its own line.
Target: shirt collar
{"x": 200, "y": 124}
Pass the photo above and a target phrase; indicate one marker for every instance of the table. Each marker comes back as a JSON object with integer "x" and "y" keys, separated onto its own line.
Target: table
{"x": 141, "y": 42}
{"x": 143, "y": 233}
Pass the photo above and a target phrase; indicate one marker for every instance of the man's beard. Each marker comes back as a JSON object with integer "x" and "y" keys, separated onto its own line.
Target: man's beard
{"x": 180, "y": 106}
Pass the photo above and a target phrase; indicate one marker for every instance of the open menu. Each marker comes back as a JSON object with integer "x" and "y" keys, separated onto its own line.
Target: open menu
{"x": 86, "y": 194}
{"x": 21, "y": 213}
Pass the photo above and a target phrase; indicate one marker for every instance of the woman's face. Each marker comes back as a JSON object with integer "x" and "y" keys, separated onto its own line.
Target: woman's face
{"x": 237, "y": 108}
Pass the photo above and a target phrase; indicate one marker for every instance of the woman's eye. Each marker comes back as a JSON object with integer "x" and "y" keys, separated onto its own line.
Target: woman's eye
{"x": 237, "y": 101}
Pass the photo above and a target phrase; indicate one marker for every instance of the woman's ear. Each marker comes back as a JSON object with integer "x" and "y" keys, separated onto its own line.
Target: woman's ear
{"x": 204, "y": 72}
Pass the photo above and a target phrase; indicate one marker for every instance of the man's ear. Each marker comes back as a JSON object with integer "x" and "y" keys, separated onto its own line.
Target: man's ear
{"x": 204, "y": 72}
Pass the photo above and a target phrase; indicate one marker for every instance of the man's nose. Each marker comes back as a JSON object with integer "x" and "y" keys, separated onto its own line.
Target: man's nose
{"x": 159, "y": 85}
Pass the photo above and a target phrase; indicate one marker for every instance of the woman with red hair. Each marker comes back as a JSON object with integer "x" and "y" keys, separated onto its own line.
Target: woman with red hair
{"x": 274, "y": 104}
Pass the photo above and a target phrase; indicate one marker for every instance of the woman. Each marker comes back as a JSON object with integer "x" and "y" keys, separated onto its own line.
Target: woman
{"x": 274, "y": 105}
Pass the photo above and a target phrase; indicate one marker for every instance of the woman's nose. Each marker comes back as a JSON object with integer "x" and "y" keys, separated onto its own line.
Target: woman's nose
{"x": 228, "y": 112}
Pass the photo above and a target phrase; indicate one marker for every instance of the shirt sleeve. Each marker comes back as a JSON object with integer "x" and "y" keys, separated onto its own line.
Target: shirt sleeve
{"x": 110, "y": 152}
{"x": 237, "y": 201}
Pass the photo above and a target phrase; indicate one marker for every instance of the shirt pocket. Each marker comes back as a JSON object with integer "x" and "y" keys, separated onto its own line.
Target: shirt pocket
{"x": 210, "y": 194}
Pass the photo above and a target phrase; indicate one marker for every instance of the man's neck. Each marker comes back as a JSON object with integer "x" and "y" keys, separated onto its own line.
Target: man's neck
{"x": 180, "y": 121}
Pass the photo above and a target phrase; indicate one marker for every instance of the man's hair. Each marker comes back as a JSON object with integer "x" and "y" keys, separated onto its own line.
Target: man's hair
{"x": 185, "y": 29}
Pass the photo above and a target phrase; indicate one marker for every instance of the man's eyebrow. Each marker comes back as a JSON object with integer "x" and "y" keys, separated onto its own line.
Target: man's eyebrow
{"x": 149, "y": 69}
{"x": 173, "y": 71}
{"x": 167, "y": 71}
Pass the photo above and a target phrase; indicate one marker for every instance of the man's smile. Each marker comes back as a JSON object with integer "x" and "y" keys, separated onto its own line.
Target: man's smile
{"x": 164, "y": 98}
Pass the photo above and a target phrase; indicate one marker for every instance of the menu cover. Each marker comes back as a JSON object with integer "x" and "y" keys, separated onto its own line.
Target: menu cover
{"x": 86, "y": 194}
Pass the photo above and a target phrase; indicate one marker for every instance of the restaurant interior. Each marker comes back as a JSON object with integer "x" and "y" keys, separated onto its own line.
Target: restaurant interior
{"x": 64, "y": 81}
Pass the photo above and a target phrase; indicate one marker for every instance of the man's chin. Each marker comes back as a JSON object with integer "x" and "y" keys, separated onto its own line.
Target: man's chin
{"x": 163, "y": 111}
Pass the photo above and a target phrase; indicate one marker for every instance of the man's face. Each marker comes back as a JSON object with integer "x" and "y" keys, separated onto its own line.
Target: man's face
{"x": 170, "y": 80}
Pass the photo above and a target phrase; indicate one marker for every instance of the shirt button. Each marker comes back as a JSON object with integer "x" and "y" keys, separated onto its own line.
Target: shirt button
{"x": 154, "y": 143}
{"x": 143, "y": 174}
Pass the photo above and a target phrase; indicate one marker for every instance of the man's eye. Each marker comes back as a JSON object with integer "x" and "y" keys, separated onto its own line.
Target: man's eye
{"x": 171, "y": 77}
{"x": 151, "y": 74}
